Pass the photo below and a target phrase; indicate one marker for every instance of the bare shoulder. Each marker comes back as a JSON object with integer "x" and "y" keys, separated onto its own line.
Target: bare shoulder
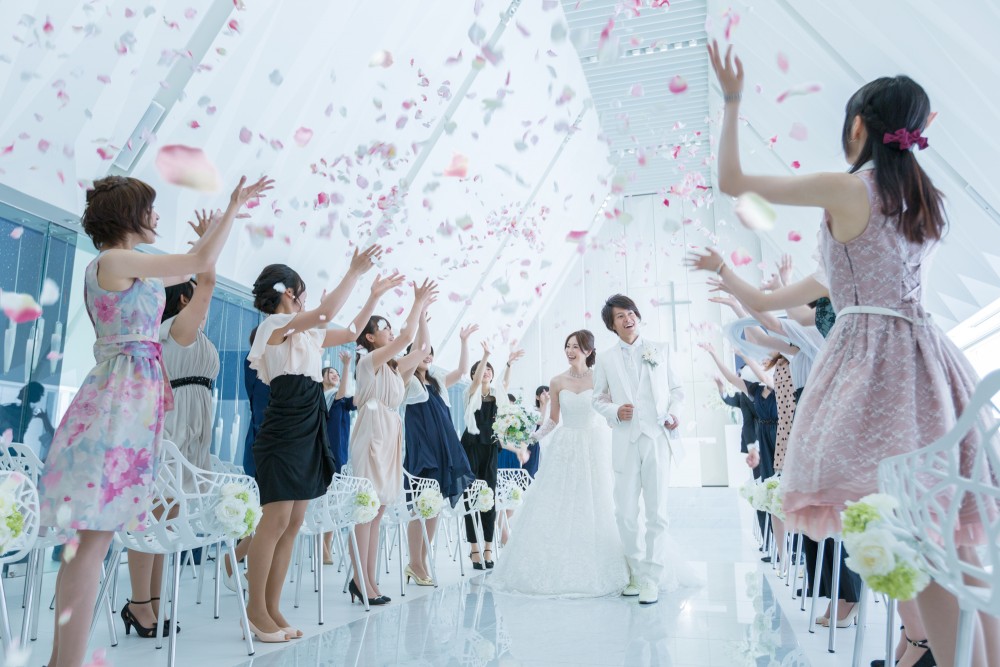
{"x": 557, "y": 383}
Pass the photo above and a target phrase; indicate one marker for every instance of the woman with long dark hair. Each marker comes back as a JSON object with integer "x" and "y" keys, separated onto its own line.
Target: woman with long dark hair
{"x": 291, "y": 451}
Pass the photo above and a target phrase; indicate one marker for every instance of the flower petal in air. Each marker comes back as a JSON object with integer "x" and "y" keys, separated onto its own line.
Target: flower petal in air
{"x": 459, "y": 166}
{"x": 801, "y": 89}
{"x": 782, "y": 62}
{"x": 740, "y": 257}
{"x": 574, "y": 237}
{"x": 799, "y": 132}
{"x": 755, "y": 212}
{"x": 20, "y": 308}
{"x": 303, "y": 135}
{"x": 678, "y": 85}
{"x": 187, "y": 167}
{"x": 50, "y": 293}
{"x": 380, "y": 58}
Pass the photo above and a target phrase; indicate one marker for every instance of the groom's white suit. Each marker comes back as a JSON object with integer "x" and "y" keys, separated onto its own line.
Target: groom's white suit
{"x": 642, "y": 375}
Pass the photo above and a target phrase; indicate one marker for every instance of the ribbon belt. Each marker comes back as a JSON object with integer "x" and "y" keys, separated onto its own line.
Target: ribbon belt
{"x": 135, "y": 345}
{"x": 878, "y": 310}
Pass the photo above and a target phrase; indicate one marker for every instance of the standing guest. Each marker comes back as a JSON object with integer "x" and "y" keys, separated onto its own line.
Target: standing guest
{"x": 433, "y": 449}
{"x": 377, "y": 441}
{"x": 18, "y": 416}
{"x": 481, "y": 448}
{"x": 99, "y": 475}
{"x": 291, "y": 451}
{"x": 338, "y": 425}
{"x": 888, "y": 381}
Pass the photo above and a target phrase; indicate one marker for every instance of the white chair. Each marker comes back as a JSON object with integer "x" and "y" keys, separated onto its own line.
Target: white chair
{"x": 509, "y": 480}
{"x": 187, "y": 520}
{"x": 226, "y": 468}
{"x": 24, "y": 496}
{"x": 398, "y": 516}
{"x": 466, "y": 507}
{"x": 932, "y": 483}
{"x": 340, "y": 503}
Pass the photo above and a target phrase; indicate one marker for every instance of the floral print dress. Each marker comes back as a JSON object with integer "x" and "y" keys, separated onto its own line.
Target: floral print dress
{"x": 100, "y": 470}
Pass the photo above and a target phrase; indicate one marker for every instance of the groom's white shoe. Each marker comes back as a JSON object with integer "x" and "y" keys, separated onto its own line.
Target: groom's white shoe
{"x": 632, "y": 589}
{"x": 648, "y": 593}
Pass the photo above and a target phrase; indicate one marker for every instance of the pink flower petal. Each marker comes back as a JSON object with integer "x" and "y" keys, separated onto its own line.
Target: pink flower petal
{"x": 678, "y": 85}
{"x": 380, "y": 59}
{"x": 20, "y": 308}
{"x": 576, "y": 236}
{"x": 459, "y": 167}
{"x": 636, "y": 90}
{"x": 799, "y": 132}
{"x": 234, "y": 25}
{"x": 740, "y": 257}
{"x": 755, "y": 212}
{"x": 43, "y": 145}
{"x": 187, "y": 167}
{"x": 194, "y": 125}
{"x": 53, "y": 356}
{"x": 245, "y": 135}
{"x": 17, "y": 233}
{"x": 105, "y": 153}
{"x": 50, "y": 293}
{"x": 782, "y": 62}
{"x": 190, "y": 13}
{"x": 801, "y": 89}
{"x": 303, "y": 135}
{"x": 794, "y": 237}
{"x": 796, "y": 164}
{"x": 48, "y": 28}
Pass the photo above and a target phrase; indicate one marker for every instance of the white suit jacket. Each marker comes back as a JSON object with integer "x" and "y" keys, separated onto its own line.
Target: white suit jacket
{"x": 612, "y": 387}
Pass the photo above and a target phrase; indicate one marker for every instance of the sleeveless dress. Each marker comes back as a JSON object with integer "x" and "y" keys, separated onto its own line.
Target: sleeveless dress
{"x": 189, "y": 424}
{"x": 766, "y": 425}
{"x": 882, "y": 386}
{"x": 376, "y": 449}
{"x": 104, "y": 457}
{"x": 432, "y": 446}
{"x": 564, "y": 540}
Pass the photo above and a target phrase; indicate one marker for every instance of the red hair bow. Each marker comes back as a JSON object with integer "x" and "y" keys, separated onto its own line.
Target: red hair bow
{"x": 905, "y": 139}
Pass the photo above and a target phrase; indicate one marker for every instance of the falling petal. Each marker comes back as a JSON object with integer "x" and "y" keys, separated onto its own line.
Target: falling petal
{"x": 50, "y": 293}
{"x": 740, "y": 257}
{"x": 105, "y": 153}
{"x": 303, "y": 135}
{"x": 43, "y": 145}
{"x": 794, "y": 237}
{"x": 53, "y": 356}
{"x": 782, "y": 62}
{"x": 755, "y": 212}
{"x": 796, "y": 164}
{"x": 245, "y": 135}
{"x": 799, "y": 132}
{"x": 20, "y": 308}
{"x": 636, "y": 90}
{"x": 187, "y": 167}
{"x": 65, "y": 616}
{"x": 380, "y": 59}
{"x": 678, "y": 85}
{"x": 459, "y": 166}
{"x": 17, "y": 233}
{"x": 801, "y": 89}
{"x": 576, "y": 236}
{"x": 275, "y": 78}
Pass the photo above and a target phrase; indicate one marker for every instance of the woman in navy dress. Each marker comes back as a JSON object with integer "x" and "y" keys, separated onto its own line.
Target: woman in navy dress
{"x": 338, "y": 429}
{"x": 433, "y": 449}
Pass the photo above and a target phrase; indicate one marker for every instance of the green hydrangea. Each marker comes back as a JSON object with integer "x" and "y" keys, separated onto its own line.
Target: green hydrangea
{"x": 903, "y": 583}
{"x": 856, "y": 517}
{"x": 15, "y": 523}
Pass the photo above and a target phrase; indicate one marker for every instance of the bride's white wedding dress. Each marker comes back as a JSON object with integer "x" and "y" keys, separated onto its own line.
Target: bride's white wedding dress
{"x": 564, "y": 540}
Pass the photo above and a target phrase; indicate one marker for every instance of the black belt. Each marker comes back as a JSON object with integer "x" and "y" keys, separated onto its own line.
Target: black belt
{"x": 201, "y": 381}
{"x": 768, "y": 421}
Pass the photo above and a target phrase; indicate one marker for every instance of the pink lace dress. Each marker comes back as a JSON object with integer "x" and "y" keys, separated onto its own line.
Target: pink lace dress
{"x": 883, "y": 385}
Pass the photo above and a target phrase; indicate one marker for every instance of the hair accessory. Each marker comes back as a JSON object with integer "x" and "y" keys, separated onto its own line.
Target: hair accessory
{"x": 905, "y": 139}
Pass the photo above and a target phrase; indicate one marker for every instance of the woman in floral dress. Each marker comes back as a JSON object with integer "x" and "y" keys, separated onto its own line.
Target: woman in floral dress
{"x": 99, "y": 475}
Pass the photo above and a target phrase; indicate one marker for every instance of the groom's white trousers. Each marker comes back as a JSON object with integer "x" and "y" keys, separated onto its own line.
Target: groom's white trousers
{"x": 642, "y": 467}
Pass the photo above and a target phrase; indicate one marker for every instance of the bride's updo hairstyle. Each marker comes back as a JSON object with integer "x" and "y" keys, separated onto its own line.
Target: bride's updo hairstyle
{"x": 116, "y": 207}
{"x": 266, "y": 298}
{"x": 585, "y": 339}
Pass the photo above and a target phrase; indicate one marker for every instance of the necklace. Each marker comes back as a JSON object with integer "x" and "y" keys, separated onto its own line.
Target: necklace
{"x": 577, "y": 376}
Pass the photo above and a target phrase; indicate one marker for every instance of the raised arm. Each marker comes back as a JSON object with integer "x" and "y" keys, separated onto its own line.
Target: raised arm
{"x": 120, "y": 265}
{"x": 477, "y": 377}
{"x": 759, "y": 372}
{"x": 422, "y": 294}
{"x": 337, "y": 337}
{"x": 456, "y": 375}
{"x": 804, "y": 291}
{"x": 421, "y": 344}
{"x": 514, "y": 356}
{"x": 730, "y": 376}
{"x": 345, "y": 373}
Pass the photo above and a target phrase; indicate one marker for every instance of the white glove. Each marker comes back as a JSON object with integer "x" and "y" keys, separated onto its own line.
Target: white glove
{"x": 545, "y": 429}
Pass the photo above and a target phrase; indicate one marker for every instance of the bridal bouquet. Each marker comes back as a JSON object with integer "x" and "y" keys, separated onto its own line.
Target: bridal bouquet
{"x": 429, "y": 503}
{"x": 880, "y": 552}
{"x": 366, "y": 506}
{"x": 515, "y": 425}
{"x": 237, "y": 511}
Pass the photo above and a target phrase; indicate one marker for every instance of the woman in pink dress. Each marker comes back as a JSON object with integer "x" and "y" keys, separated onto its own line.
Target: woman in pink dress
{"x": 376, "y": 449}
{"x": 99, "y": 474}
{"x": 888, "y": 381}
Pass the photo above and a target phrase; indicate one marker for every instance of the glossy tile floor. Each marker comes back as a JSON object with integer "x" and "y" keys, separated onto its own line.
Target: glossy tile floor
{"x": 744, "y": 615}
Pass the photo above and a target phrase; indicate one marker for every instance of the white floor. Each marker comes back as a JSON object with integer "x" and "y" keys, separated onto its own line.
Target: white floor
{"x": 744, "y": 615}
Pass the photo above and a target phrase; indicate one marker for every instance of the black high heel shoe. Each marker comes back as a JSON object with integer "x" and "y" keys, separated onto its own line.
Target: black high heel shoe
{"x": 475, "y": 565}
{"x": 130, "y": 621}
{"x": 926, "y": 660}
{"x": 166, "y": 624}
{"x": 489, "y": 563}
{"x": 352, "y": 588}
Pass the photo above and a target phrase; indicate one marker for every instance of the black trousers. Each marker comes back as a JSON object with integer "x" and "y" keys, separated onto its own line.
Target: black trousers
{"x": 483, "y": 461}
{"x": 850, "y": 581}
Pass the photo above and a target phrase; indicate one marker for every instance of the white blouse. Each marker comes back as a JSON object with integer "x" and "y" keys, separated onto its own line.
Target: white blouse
{"x": 301, "y": 353}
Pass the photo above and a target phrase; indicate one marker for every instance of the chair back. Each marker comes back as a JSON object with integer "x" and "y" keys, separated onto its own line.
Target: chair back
{"x": 17, "y": 457}
{"x": 945, "y": 490}
{"x": 18, "y": 495}
{"x": 509, "y": 479}
{"x": 404, "y": 510}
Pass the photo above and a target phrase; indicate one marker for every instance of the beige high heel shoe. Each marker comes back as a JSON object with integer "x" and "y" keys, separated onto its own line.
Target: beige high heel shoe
{"x": 408, "y": 571}
{"x": 278, "y": 637}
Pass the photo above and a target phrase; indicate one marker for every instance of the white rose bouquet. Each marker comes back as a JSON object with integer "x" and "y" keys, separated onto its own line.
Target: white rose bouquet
{"x": 755, "y": 493}
{"x": 237, "y": 511}
{"x": 772, "y": 498}
{"x": 879, "y": 551}
{"x": 429, "y": 503}
{"x": 514, "y": 425}
{"x": 366, "y": 506}
{"x": 485, "y": 500}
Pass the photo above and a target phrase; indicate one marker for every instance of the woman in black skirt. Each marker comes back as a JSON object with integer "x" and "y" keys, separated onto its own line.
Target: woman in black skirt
{"x": 481, "y": 448}
{"x": 291, "y": 451}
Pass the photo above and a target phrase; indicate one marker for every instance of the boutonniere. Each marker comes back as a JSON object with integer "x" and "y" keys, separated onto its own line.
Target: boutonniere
{"x": 650, "y": 355}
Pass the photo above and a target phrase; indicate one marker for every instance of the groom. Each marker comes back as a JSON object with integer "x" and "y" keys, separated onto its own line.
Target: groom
{"x": 639, "y": 393}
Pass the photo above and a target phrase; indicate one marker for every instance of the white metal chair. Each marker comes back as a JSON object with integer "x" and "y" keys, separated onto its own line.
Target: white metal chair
{"x": 512, "y": 483}
{"x": 24, "y": 496}
{"x": 340, "y": 503}
{"x": 465, "y": 507}
{"x": 226, "y": 468}
{"x": 934, "y": 486}
{"x": 397, "y": 517}
{"x": 187, "y": 520}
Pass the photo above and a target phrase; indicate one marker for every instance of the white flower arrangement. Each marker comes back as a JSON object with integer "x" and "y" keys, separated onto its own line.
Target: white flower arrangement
{"x": 237, "y": 511}
{"x": 881, "y": 552}
{"x": 485, "y": 500}
{"x": 773, "y": 496}
{"x": 515, "y": 496}
{"x": 755, "y": 493}
{"x": 11, "y": 519}
{"x": 429, "y": 503}
{"x": 650, "y": 356}
{"x": 514, "y": 425}
{"x": 366, "y": 506}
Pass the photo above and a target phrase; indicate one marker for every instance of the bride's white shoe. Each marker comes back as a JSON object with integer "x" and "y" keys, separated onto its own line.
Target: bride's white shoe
{"x": 648, "y": 593}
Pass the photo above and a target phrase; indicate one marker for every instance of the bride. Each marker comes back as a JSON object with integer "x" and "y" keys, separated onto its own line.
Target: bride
{"x": 565, "y": 541}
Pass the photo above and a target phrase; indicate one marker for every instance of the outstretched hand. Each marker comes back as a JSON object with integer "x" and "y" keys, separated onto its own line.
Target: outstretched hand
{"x": 345, "y": 357}
{"x": 711, "y": 260}
{"x": 717, "y": 285}
{"x": 426, "y": 293}
{"x": 381, "y": 284}
{"x": 244, "y": 193}
{"x": 785, "y": 269}
{"x": 465, "y": 332}
{"x": 708, "y": 347}
{"x": 514, "y": 356}
{"x": 486, "y": 349}
{"x": 728, "y": 70}
{"x": 363, "y": 260}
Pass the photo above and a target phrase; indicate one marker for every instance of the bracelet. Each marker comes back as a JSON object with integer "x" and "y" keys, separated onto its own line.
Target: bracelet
{"x": 732, "y": 97}
{"x": 508, "y": 364}
{"x": 718, "y": 271}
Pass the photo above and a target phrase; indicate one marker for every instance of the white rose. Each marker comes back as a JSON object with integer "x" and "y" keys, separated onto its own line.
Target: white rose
{"x": 873, "y": 552}
{"x": 883, "y": 502}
